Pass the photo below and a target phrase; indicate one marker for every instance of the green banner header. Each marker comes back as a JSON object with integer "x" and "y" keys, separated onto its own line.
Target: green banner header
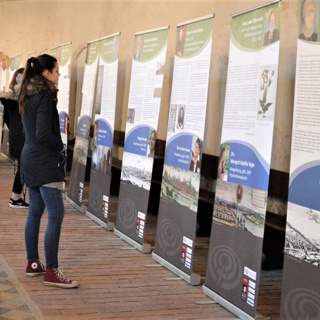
{"x": 148, "y": 45}
{"x": 53, "y": 52}
{"x": 92, "y": 52}
{"x": 109, "y": 49}
{"x": 193, "y": 37}
{"x": 65, "y": 51}
{"x": 256, "y": 29}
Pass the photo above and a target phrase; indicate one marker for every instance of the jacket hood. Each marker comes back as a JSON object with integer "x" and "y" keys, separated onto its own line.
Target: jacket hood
{"x": 40, "y": 84}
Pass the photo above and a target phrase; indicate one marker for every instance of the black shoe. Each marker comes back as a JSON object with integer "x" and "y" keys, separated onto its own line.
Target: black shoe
{"x": 18, "y": 204}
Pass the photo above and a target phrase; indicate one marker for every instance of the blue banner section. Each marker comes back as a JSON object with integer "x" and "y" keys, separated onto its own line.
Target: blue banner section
{"x": 105, "y": 134}
{"x": 63, "y": 120}
{"x": 304, "y": 189}
{"x": 247, "y": 167}
{"x": 137, "y": 140}
{"x": 178, "y": 151}
{"x": 83, "y": 127}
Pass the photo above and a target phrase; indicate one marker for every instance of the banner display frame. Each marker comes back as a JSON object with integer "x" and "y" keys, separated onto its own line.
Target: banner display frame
{"x": 147, "y": 73}
{"x": 53, "y": 51}
{"x": 234, "y": 258}
{"x": 81, "y": 148}
{"x": 4, "y": 72}
{"x": 300, "y": 295}
{"x": 15, "y": 64}
{"x": 63, "y": 55}
{"x": 175, "y": 235}
{"x": 104, "y": 122}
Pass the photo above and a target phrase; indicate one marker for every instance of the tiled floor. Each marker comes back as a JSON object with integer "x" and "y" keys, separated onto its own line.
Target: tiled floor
{"x": 115, "y": 282}
{"x": 14, "y": 300}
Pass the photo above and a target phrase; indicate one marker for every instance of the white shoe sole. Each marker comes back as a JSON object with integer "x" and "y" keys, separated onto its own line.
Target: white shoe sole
{"x": 35, "y": 274}
{"x": 74, "y": 284}
{"x": 18, "y": 207}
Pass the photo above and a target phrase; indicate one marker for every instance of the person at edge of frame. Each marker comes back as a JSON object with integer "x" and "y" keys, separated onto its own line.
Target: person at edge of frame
{"x": 12, "y": 119}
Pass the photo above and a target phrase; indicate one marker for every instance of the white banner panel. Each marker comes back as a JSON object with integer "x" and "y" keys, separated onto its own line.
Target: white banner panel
{"x": 245, "y": 154}
{"x": 148, "y": 64}
{"x": 102, "y": 142}
{"x": 301, "y": 273}
{"x": 77, "y": 176}
{"x": 177, "y": 216}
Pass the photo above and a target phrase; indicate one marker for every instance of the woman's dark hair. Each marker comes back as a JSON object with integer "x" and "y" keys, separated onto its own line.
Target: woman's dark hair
{"x": 14, "y": 78}
{"x": 153, "y": 132}
{"x": 34, "y": 67}
{"x": 223, "y": 149}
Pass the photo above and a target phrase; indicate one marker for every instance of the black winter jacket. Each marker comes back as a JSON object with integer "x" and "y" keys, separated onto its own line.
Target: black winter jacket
{"x": 13, "y": 121}
{"x": 41, "y": 161}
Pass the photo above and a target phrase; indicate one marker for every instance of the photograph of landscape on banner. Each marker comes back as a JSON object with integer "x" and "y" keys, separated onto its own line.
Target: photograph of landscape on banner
{"x": 137, "y": 169}
{"x": 241, "y": 207}
{"x": 302, "y": 233}
{"x": 180, "y": 186}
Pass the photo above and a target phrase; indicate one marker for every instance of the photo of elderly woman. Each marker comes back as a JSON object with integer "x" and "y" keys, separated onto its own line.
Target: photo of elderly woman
{"x": 272, "y": 35}
{"x": 308, "y": 15}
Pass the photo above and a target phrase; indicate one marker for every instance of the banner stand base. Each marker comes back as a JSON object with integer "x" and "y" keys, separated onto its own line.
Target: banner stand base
{"x": 81, "y": 209}
{"x": 226, "y": 304}
{"x": 109, "y": 225}
{"x": 144, "y": 248}
{"x": 193, "y": 279}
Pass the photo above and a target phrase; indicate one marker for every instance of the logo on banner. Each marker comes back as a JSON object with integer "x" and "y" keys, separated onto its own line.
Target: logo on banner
{"x": 169, "y": 237}
{"x": 226, "y": 266}
{"x": 302, "y": 304}
{"x": 127, "y": 214}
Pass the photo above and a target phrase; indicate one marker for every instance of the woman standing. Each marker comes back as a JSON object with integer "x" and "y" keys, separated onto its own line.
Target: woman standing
{"x": 42, "y": 166}
{"x": 16, "y": 137}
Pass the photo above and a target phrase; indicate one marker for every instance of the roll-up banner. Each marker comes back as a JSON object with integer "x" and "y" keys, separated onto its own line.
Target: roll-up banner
{"x": 15, "y": 64}
{"x": 234, "y": 257}
{"x": 148, "y": 64}
{"x": 63, "y": 55}
{"x": 80, "y": 153}
{"x": 102, "y": 142}
{"x": 31, "y": 54}
{"x": 177, "y": 218}
{"x": 4, "y": 73}
{"x": 11, "y": 68}
{"x": 301, "y": 272}
{"x": 54, "y": 52}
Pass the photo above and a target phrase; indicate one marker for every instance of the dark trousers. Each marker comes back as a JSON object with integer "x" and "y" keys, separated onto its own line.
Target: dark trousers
{"x": 17, "y": 185}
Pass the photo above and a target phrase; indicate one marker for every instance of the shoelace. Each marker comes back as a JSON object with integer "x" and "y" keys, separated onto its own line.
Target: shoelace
{"x": 42, "y": 265}
{"x": 61, "y": 276}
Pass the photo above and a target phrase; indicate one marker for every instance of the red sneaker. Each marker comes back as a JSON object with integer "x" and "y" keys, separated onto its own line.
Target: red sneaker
{"x": 35, "y": 268}
{"x": 54, "y": 277}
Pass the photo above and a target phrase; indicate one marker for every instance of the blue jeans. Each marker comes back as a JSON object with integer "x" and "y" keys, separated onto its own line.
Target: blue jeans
{"x": 39, "y": 198}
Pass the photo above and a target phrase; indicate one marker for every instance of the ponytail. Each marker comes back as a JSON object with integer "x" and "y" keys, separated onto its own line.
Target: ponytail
{"x": 34, "y": 67}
